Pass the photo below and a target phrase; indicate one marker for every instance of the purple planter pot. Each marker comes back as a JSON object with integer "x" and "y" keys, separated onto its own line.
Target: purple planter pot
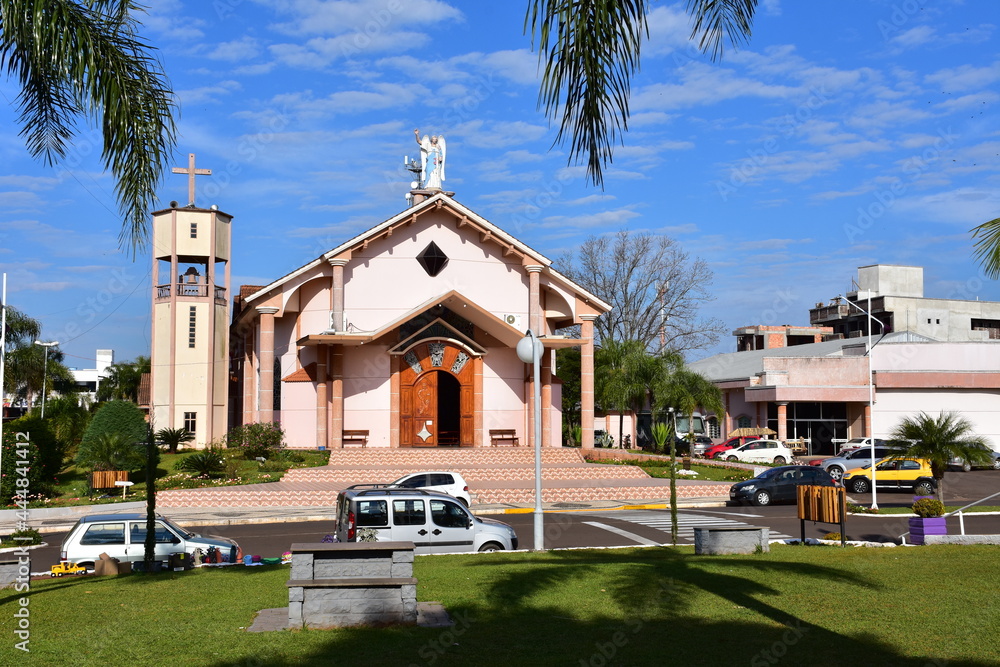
{"x": 920, "y": 527}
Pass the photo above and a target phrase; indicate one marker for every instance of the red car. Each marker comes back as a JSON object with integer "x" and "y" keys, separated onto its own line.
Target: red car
{"x": 715, "y": 452}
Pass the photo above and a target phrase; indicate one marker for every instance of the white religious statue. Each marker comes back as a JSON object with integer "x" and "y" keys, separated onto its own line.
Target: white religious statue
{"x": 432, "y": 157}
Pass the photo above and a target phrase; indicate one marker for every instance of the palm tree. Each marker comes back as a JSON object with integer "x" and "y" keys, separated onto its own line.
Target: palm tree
{"x": 85, "y": 58}
{"x": 681, "y": 390}
{"x": 987, "y": 246}
{"x": 941, "y": 439}
{"x": 174, "y": 437}
{"x": 624, "y": 372}
{"x": 121, "y": 382}
{"x": 590, "y": 51}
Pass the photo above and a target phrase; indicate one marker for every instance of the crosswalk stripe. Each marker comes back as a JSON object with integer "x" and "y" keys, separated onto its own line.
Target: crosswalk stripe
{"x": 686, "y": 522}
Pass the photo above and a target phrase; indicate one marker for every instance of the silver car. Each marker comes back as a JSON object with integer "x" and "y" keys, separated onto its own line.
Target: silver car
{"x": 855, "y": 458}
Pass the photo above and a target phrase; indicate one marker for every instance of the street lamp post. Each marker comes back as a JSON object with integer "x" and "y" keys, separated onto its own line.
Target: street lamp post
{"x": 871, "y": 390}
{"x": 45, "y": 369}
{"x": 529, "y": 350}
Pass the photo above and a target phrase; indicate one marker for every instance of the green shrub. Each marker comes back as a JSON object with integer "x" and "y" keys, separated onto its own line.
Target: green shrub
{"x": 264, "y": 439}
{"x": 34, "y": 537}
{"x": 114, "y": 417}
{"x": 928, "y": 508}
{"x": 51, "y": 451}
{"x": 832, "y": 536}
{"x": 205, "y": 463}
{"x": 16, "y": 451}
{"x": 112, "y": 451}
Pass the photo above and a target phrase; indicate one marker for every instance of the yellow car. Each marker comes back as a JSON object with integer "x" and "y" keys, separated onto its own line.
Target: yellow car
{"x": 893, "y": 474}
{"x": 64, "y": 567}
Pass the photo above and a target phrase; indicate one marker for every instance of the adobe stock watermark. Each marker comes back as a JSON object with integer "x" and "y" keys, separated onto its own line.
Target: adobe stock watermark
{"x": 913, "y": 167}
{"x": 22, "y": 582}
{"x": 757, "y": 158}
{"x": 607, "y": 650}
{"x": 779, "y": 649}
{"x": 901, "y": 14}
{"x": 440, "y": 645}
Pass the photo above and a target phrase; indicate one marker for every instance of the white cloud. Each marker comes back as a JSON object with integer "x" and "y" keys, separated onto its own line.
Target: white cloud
{"x": 317, "y": 17}
{"x": 965, "y": 77}
{"x": 212, "y": 93}
{"x": 236, "y": 50}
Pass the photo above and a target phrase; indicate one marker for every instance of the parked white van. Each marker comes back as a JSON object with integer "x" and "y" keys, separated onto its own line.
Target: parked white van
{"x": 123, "y": 536}
{"x": 434, "y": 522}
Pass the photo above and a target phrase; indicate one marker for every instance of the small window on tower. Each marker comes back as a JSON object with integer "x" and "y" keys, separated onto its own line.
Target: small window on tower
{"x": 190, "y": 421}
{"x": 194, "y": 230}
{"x": 192, "y": 317}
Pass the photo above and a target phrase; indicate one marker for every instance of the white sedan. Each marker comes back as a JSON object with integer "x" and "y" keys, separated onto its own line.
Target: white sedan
{"x": 761, "y": 451}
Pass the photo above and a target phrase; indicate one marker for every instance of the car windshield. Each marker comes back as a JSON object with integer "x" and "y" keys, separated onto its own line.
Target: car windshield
{"x": 174, "y": 527}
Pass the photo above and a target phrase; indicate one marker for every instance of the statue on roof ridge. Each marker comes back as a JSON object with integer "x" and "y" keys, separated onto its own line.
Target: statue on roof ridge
{"x": 433, "y": 152}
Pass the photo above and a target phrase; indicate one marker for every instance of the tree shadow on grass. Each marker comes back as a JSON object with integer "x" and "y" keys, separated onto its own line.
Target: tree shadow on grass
{"x": 645, "y": 607}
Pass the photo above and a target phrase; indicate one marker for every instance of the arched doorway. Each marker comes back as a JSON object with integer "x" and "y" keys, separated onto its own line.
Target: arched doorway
{"x": 436, "y": 396}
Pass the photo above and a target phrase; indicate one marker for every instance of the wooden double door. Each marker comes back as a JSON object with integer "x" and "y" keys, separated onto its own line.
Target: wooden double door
{"x": 436, "y": 396}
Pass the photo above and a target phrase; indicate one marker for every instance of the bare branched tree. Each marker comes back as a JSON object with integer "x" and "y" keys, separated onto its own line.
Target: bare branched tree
{"x": 656, "y": 290}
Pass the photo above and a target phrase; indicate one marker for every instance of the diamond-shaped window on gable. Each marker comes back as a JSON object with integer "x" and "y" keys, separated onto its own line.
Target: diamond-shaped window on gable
{"x": 433, "y": 259}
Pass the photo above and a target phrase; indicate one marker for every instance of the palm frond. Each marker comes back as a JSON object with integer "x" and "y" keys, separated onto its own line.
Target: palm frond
{"x": 714, "y": 19}
{"x": 75, "y": 59}
{"x": 987, "y": 247}
{"x": 590, "y": 50}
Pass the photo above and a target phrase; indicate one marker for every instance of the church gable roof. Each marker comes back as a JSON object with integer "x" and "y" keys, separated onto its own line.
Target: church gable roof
{"x": 464, "y": 217}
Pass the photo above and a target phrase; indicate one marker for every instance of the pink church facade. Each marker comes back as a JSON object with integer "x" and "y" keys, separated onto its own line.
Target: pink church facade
{"x": 407, "y": 334}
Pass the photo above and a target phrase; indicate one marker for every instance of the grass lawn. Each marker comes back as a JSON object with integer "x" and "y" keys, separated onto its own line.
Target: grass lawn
{"x": 661, "y": 468}
{"x": 795, "y": 606}
{"x": 72, "y": 487}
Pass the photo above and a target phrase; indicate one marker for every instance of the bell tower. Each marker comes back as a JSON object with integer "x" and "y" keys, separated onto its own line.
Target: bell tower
{"x": 190, "y": 338}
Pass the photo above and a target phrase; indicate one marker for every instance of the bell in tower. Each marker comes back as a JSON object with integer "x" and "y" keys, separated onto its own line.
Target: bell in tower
{"x": 190, "y": 338}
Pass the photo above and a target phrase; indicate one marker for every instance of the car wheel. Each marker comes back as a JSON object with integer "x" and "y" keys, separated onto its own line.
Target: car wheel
{"x": 780, "y": 460}
{"x": 52, "y": 574}
{"x": 490, "y": 547}
{"x": 996, "y": 464}
{"x": 87, "y": 565}
{"x": 732, "y": 458}
{"x": 762, "y": 498}
{"x": 923, "y": 489}
{"x": 836, "y": 472}
{"x": 966, "y": 466}
{"x": 860, "y": 486}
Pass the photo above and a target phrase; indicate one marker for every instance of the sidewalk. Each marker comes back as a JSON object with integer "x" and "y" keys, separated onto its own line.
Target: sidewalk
{"x": 55, "y": 519}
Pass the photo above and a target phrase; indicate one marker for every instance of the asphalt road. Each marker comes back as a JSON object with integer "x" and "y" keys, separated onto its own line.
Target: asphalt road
{"x": 620, "y": 528}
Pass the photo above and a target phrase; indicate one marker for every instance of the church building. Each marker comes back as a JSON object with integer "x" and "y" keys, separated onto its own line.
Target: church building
{"x": 405, "y": 336}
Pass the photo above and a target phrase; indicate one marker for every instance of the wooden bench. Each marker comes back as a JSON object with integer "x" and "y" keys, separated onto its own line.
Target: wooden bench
{"x": 359, "y": 437}
{"x": 504, "y": 436}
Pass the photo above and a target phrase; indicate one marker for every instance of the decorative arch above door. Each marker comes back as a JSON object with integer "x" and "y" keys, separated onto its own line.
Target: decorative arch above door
{"x": 436, "y": 391}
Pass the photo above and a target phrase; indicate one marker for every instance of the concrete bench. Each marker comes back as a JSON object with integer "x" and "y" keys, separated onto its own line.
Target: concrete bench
{"x": 504, "y": 435}
{"x": 719, "y": 540}
{"x": 356, "y": 437}
{"x": 351, "y": 583}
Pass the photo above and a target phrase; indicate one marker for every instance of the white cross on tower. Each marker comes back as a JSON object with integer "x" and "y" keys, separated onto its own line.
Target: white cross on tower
{"x": 191, "y": 172}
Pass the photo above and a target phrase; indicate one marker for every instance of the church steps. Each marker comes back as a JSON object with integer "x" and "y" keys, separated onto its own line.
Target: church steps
{"x": 281, "y": 494}
{"x": 442, "y": 458}
{"x": 471, "y": 475}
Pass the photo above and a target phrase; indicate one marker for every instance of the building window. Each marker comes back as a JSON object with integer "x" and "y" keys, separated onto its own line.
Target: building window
{"x": 713, "y": 428}
{"x": 190, "y": 421}
{"x": 192, "y": 317}
{"x": 991, "y": 327}
{"x": 194, "y": 230}
{"x": 743, "y": 422}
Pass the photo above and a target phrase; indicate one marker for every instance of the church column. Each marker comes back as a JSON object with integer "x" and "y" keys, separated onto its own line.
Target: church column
{"x": 266, "y": 389}
{"x": 534, "y": 300}
{"x": 587, "y": 380}
{"x": 337, "y": 396}
{"x": 546, "y": 379}
{"x": 782, "y": 421}
{"x": 249, "y": 376}
{"x": 321, "y": 398}
{"x": 337, "y": 294}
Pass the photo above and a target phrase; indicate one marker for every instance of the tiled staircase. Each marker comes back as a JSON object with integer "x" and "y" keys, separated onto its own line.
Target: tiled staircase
{"x": 500, "y": 475}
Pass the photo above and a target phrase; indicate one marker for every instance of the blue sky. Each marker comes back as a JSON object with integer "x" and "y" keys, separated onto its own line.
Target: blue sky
{"x": 844, "y": 134}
